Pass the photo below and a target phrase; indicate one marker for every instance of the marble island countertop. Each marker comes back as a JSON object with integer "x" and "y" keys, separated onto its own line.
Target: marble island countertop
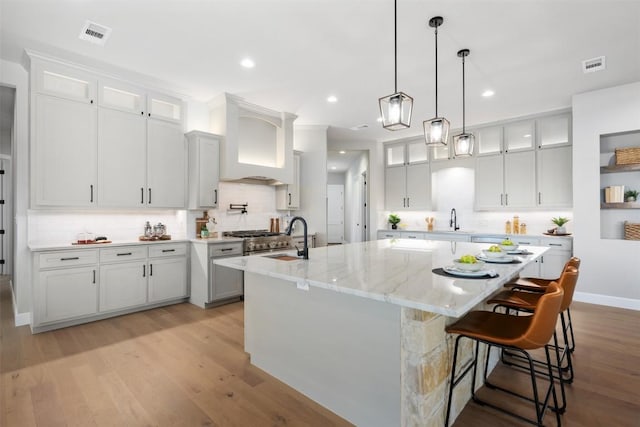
{"x": 397, "y": 271}
{"x": 55, "y": 246}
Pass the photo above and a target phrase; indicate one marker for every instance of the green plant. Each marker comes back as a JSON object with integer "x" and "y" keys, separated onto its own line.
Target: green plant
{"x": 631, "y": 193}
{"x": 394, "y": 219}
{"x": 560, "y": 221}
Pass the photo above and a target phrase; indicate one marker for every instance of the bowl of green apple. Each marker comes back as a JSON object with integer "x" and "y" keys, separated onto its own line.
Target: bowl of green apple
{"x": 468, "y": 263}
{"x": 494, "y": 251}
{"x": 507, "y": 245}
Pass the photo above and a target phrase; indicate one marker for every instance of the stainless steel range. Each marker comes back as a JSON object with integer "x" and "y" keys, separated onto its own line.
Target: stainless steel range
{"x": 258, "y": 241}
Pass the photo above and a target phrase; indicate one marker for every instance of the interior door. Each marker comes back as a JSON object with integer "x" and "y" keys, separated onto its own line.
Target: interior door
{"x": 335, "y": 213}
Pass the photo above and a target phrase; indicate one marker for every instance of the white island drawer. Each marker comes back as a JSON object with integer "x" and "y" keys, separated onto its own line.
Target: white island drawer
{"x": 560, "y": 244}
{"x": 226, "y": 249}
{"x": 67, "y": 258}
{"x": 124, "y": 253}
{"x": 166, "y": 250}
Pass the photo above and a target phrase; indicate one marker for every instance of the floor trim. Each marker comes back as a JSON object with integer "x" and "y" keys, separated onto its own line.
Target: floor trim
{"x": 629, "y": 303}
{"x": 20, "y": 319}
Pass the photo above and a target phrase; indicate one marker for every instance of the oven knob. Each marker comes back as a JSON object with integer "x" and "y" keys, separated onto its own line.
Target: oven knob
{"x": 273, "y": 245}
{"x": 251, "y": 246}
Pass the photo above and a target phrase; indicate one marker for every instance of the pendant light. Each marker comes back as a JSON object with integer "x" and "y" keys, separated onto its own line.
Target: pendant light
{"x": 395, "y": 109}
{"x": 463, "y": 143}
{"x": 436, "y": 130}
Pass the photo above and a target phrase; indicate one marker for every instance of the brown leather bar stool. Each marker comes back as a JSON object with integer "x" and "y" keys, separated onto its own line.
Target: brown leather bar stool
{"x": 528, "y": 301}
{"x": 534, "y": 284}
{"x": 518, "y": 334}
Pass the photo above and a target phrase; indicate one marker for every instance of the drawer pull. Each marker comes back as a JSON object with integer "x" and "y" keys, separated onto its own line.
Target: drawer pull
{"x": 150, "y": 270}
{"x": 524, "y": 243}
{"x": 555, "y": 244}
{"x": 144, "y": 270}
{"x": 124, "y": 254}
{"x": 94, "y": 277}
{"x": 72, "y": 258}
{"x": 168, "y": 250}
{"x": 226, "y": 249}
{"x": 411, "y": 237}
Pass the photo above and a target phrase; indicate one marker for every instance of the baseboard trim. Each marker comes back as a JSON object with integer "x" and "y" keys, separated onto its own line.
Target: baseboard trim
{"x": 20, "y": 319}
{"x": 628, "y": 303}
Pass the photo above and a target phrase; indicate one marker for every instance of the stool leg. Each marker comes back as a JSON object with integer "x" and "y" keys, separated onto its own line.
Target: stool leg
{"x": 567, "y": 351}
{"x": 452, "y": 382}
{"x": 573, "y": 340}
{"x": 560, "y": 380}
{"x": 553, "y": 386}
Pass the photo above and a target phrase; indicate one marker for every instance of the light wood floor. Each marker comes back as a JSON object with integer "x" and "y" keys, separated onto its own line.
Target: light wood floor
{"x": 183, "y": 366}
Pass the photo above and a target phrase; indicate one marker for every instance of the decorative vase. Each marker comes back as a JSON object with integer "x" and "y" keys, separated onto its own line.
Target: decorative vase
{"x": 631, "y": 199}
{"x": 394, "y": 226}
{"x": 561, "y": 230}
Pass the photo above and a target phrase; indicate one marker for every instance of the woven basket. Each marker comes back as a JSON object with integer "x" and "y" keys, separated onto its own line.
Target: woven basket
{"x": 627, "y": 156}
{"x": 631, "y": 231}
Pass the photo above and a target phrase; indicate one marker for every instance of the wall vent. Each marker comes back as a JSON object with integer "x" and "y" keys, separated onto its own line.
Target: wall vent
{"x": 95, "y": 33}
{"x": 594, "y": 64}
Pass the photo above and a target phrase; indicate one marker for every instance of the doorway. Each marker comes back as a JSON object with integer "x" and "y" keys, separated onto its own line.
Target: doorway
{"x": 7, "y": 214}
{"x": 335, "y": 214}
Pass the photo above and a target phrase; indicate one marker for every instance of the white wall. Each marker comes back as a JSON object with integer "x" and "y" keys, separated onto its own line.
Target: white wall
{"x": 609, "y": 269}
{"x": 335, "y": 178}
{"x": 14, "y": 75}
{"x": 312, "y": 142}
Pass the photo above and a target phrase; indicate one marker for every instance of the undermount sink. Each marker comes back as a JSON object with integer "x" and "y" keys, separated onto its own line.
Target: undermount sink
{"x": 282, "y": 257}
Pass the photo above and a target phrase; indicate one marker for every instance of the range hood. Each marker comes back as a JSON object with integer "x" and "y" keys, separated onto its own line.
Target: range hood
{"x": 257, "y": 147}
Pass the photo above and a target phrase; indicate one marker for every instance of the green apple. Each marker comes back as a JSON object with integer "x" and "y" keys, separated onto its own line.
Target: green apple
{"x": 468, "y": 259}
{"x": 495, "y": 248}
{"x": 507, "y": 242}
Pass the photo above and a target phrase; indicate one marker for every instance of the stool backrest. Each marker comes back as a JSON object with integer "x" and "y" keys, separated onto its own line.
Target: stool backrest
{"x": 543, "y": 320}
{"x": 574, "y": 261}
{"x": 568, "y": 282}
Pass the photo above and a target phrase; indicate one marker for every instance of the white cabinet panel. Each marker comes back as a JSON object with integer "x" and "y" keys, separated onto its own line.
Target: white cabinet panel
{"x": 554, "y": 130}
{"x": 121, "y": 96}
{"x": 122, "y": 159}
{"x": 418, "y": 189}
{"x": 519, "y": 136}
{"x": 66, "y": 294}
{"x": 166, "y": 159}
{"x": 489, "y": 182}
{"x": 555, "y": 177}
{"x": 288, "y": 195}
{"x": 519, "y": 179}
{"x": 164, "y": 107}
{"x": 395, "y": 182}
{"x": 123, "y": 285}
{"x": 167, "y": 279}
{"x": 62, "y": 81}
{"x": 489, "y": 140}
{"x": 395, "y": 155}
{"x": 204, "y": 170}
{"x": 227, "y": 282}
{"x": 64, "y": 155}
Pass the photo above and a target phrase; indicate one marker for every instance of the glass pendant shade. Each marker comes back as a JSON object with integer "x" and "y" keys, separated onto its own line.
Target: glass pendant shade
{"x": 395, "y": 111}
{"x": 436, "y": 131}
{"x": 463, "y": 144}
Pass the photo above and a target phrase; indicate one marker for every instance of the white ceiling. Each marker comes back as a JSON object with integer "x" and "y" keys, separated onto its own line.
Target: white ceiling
{"x": 528, "y": 52}
{"x": 340, "y": 161}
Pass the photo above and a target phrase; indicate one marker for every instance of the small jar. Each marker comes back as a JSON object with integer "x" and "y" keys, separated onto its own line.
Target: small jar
{"x": 523, "y": 228}
{"x": 507, "y": 227}
{"x": 516, "y": 224}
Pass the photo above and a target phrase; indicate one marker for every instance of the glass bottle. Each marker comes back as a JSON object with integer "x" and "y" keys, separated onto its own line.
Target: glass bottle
{"x": 523, "y": 228}
{"x": 204, "y": 232}
{"x": 516, "y": 224}
{"x": 148, "y": 230}
{"x": 507, "y": 227}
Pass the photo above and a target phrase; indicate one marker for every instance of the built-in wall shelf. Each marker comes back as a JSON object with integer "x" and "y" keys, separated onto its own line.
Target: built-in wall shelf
{"x": 625, "y": 205}
{"x": 620, "y": 168}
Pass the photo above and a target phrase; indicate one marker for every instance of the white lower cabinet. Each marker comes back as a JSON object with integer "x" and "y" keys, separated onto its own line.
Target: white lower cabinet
{"x": 227, "y": 282}
{"x": 212, "y": 283}
{"x": 553, "y": 261}
{"x": 81, "y": 285}
{"x": 66, "y": 294}
{"x": 167, "y": 279}
{"x": 123, "y": 285}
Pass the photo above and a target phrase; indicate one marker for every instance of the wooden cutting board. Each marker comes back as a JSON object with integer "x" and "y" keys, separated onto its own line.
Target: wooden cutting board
{"x": 92, "y": 243}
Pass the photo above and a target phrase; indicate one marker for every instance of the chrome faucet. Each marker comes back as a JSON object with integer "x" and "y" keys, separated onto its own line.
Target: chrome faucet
{"x": 453, "y": 220}
{"x": 304, "y": 253}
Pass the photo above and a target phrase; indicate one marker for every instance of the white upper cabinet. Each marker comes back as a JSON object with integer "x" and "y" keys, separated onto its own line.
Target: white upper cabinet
{"x": 166, "y": 165}
{"x": 554, "y": 130}
{"x": 489, "y": 140}
{"x": 204, "y": 160}
{"x": 519, "y": 136}
{"x": 121, "y": 96}
{"x": 258, "y": 142}
{"x": 407, "y": 176}
{"x": 63, "y": 153}
{"x": 164, "y": 107}
{"x": 519, "y": 179}
{"x": 555, "y": 177}
{"x": 56, "y": 79}
{"x": 489, "y": 192}
{"x": 288, "y": 195}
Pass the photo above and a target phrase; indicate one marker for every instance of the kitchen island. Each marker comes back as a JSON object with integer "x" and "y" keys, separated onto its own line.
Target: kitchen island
{"x": 359, "y": 328}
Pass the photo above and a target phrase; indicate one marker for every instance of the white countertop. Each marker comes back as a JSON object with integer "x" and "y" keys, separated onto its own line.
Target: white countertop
{"x": 217, "y": 240}
{"x": 48, "y": 246}
{"x": 397, "y": 271}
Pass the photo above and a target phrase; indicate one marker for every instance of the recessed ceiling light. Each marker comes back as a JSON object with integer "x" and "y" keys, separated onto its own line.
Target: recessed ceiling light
{"x": 333, "y": 168}
{"x": 379, "y": 120}
{"x": 528, "y": 135}
{"x": 488, "y": 93}
{"x": 332, "y": 99}
{"x": 342, "y": 152}
{"x": 247, "y": 63}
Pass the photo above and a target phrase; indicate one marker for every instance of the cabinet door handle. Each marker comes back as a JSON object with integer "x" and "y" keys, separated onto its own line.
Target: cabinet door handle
{"x": 555, "y": 244}
{"x": 141, "y": 195}
{"x": 70, "y": 258}
{"x": 404, "y": 202}
{"x": 149, "y": 196}
{"x": 150, "y": 270}
{"x": 144, "y": 270}
{"x": 539, "y": 198}
{"x": 123, "y": 254}
{"x": 411, "y": 237}
{"x": 289, "y": 199}
{"x": 501, "y": 199}
{"x": 91, "y": 187}
{"x": 94, "y": 277}
{"x": 215, "y": 197}
{"x": 506, "y": 199}
{"x": 408, "y": 205}
{"x": 168, "y": 250}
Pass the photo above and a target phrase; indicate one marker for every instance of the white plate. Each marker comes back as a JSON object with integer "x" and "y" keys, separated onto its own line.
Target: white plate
{"x": 503, "y": 260}
{"x": 453, "y": 270}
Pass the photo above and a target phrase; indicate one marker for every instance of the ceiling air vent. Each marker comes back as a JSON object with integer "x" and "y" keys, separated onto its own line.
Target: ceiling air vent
{"x": 593, "y": 65}
{"x": 95, "y": 33}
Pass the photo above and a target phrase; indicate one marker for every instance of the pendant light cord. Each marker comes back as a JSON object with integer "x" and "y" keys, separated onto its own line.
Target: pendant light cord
{"x": 463, "y": 97}
{"x": 436, "y": 70}
{"x": 395, "y": 44}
